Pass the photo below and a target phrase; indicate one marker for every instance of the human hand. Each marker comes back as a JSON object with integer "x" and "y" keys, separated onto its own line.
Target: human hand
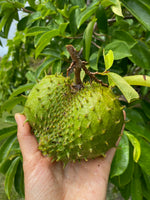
{"x": 44, "y": 180}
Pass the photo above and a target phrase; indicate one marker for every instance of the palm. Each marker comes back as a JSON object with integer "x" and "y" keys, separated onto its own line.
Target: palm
{"x": 76, "y": 181}
{"x": 45, "y": 180}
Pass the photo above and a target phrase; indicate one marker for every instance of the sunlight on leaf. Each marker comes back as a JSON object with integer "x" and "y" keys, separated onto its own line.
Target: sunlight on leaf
{"x": 83, "y": 16}
{"x": 141, "y": 80}
{"x": 117, "y": 8}
{"x": 136, "y": 144}
{"x": 129, "y": 93}
{"x": 108, "y": 59}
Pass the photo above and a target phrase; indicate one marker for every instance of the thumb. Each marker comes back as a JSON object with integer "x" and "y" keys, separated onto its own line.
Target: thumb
{"x": 27, "y": 141}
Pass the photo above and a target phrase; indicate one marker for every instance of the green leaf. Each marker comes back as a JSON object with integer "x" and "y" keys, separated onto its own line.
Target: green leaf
{"x": 56, "y": 67}
{"x": 7, "y": 26}
{"x": 10, "y": 119}
{"x": 47, "y": 36}
{"x": 22, "y": 89}
{"x": 141, "y": 80}
{"x": 93, "y": 62}
{"x": 146, "y": 108}
{"x": 102, "y": 19}
{"x": 125, "y": 37}
{"x": 80, "y": 3}
{"x": 88, "y": 38}
{"x": 129, "y": 93}
{"x": 56, "y": 53}
{"x": 6, "y": 6}
{"x": 10, "y": 103}
{"x": 126, "y": 191}
{"x": 60, "y": 4}
{"x": 37, "y": 30}
{"x": 140, "y": 10}
{"x": 140, "y": 128}
{"x": 19, "y": 180}
{"x": 146, "y": 189}
{"x": 108, "y": 59}
{"x": 6, "y": 132}
{"x": 117, "y": 8}
{"x": 140, "y": 55}
{"x": 6, "y": 147}
{"x": 64, "y": 12}
{"x": 147, "y": 180}
{"x": 62, "y": 28}
{"x": 10, "y": 176}
{"x": 127, "y": 176}
{"x": 31, "y": 77}
{"x": 47, "y": 63}
{"x": 137, "y": 148}
{"x": 144, "y": 160}
{"x": 121, "y": 159}
{"x": 119, "y": 48}
{"x": 132, "y": 114}
{"x": 3, "y": 21}
{"x": 136, "y": 186}
{"x": 18, "y": 4}
{"x": 4, "y": 166}
{"x": 22, "y": 24}
{"x": 83, "y": 16}
{"x": 34, "y": 16}
{"x": 72, "y": 19}
{"x": 37, "y": 38}
{"x": 32, "y": 3}
{"x": 99, "y": 54}
{"x": 1, "y": 42}
{"x": 107, "y": 3}
{"x": 45, "y": 40}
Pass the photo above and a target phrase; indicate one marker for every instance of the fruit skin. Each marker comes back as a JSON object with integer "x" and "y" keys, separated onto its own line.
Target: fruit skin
{"x": 73, "y": 125}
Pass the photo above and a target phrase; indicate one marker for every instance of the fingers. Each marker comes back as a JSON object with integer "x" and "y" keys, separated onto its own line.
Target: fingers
{"x": 110, "y": 154}
{"x": 27, "y": 141}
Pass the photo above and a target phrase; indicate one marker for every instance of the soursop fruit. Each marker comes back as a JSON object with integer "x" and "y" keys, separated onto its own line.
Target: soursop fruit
{"x": 73, "y": 125}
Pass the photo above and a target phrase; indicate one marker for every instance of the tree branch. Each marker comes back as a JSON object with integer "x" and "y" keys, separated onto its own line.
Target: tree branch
{"x": 114, "y": 20}
{"x": 96, "y": 45}
{"x": 77, "y": 64}
{"x": 26, "y": 10}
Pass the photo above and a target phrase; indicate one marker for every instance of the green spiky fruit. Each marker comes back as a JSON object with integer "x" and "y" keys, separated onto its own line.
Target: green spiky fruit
{"x": 73, "y": 125}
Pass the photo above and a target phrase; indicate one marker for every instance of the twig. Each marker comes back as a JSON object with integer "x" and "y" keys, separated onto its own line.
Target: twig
{"x": 92, "y": 76}
{"x": 88, "y": 2}
{"x": 96, "y": 45}
{"x": 77, "y": 37}
{"x": 97, "y": 34}
{"x": 77, "y": 64}
{"x": 114, "y": 20}
{"x": 26, "y": 10}
{"x": 93, "y": 36}
{"x": 81, "y": 50}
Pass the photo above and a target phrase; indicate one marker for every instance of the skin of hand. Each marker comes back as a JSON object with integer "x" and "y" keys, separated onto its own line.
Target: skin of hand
{"x": 44, "y": 180}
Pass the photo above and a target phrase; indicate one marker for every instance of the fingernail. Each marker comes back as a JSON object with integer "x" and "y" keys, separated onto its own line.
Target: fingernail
{"x": 17, "y": 117}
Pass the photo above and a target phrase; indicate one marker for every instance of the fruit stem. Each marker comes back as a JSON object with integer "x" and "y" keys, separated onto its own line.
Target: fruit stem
{"x": 76, "y": 65}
